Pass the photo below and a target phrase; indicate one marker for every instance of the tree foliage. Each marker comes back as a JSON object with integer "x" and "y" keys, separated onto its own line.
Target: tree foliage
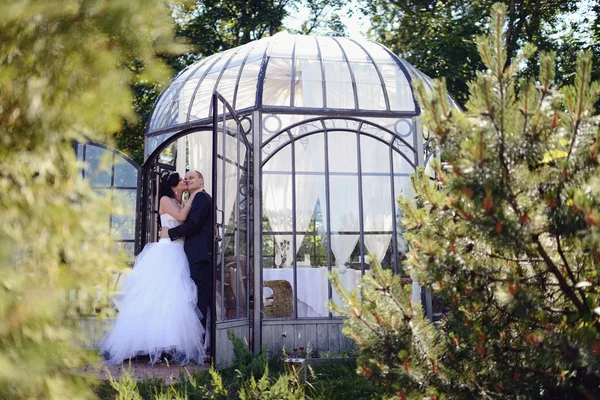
{"x": 63, "y": 78}
{"x": 508, "y": 238}
{"x": 438, "y": 37}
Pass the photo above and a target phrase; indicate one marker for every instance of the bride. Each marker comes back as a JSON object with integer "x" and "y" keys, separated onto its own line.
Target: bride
{"x": 157, "y": 311}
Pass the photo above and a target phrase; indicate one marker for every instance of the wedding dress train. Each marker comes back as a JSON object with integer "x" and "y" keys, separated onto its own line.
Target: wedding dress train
{"x": 157, "y": 310}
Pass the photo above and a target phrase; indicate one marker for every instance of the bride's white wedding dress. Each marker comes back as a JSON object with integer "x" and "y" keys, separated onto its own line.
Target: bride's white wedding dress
{"x": 157, "y": 311}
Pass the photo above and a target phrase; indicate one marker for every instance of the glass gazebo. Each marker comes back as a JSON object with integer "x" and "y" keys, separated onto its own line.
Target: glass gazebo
{"x": 305, "y": 143}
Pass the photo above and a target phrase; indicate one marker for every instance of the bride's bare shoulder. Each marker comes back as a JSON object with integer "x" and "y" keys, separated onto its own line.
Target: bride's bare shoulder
{"x": 165, "y": 203}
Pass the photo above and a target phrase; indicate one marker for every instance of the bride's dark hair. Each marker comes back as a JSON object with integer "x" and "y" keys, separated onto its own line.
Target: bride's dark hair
{"x": 167, "y": 182}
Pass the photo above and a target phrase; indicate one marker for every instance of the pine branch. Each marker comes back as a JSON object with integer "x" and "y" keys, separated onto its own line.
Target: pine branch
{"x": 568, "y": 268}
{"x": 582, "y": 308}
{"x": 558, "y": 311}
{"x": 526, "y": 260}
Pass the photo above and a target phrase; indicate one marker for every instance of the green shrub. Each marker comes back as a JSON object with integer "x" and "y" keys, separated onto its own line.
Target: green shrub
{"x": 508, "y": 237}
{"x": 64, "y": 76}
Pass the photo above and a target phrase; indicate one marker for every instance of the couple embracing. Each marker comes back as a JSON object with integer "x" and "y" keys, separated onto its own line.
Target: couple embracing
{"x": 165, "y": 302}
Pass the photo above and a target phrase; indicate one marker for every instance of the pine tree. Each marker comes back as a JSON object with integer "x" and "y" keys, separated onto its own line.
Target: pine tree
{"x": 507, "y": 237}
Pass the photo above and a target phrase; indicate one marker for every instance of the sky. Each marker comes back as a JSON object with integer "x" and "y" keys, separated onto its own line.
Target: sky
{"x": 356, "y": 24}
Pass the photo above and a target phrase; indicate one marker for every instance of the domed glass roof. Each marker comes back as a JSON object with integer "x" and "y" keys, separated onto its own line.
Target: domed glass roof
{"x": 310, "y": 74}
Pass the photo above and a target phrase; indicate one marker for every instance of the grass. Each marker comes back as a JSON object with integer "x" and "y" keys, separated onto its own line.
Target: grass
{"x": 334, "y": 380}
{"x": 339, "y": 380}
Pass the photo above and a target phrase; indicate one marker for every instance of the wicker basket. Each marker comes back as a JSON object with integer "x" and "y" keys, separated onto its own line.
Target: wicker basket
{"x": 282, "y": 306}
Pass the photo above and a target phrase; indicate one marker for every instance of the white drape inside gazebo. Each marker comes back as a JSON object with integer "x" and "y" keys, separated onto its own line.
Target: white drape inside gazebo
{"x": 377, "y": 197}
{"x": 278, "y": 203}
{"x": 199, "y": 152}
{"x": 343, "y": 195}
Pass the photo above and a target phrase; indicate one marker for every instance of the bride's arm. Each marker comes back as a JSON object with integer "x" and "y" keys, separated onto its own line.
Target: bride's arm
{"x": 168, "y": 205}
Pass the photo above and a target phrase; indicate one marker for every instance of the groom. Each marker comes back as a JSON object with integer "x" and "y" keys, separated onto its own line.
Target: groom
{"x": 198, "y": 230}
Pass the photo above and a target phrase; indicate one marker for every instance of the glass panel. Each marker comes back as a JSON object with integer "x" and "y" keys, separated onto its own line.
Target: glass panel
{"x": 246, "y": 94}
{"x": 185, "y": 97}
{"x": 377, "y": 197}
{"x": 201, "y": 66}
{"x": 378, "y": 132}
{"x": 167, "y": 156}
{"x": 309, "y": 89}
{"x": 342, "y": 152}
{"x": 310, "y": 156}
{"x": 268, "y": 244}
{"x": 225, "y": 57}
{"x": 257, "y": 53}
{"x": 237, "y": 60}
{"x": 338, "y": 85}
{"x": 185, "y": 73}
{"x": 370, "y": 91}
{"x": 302, "y": 128}
{"x": 402, "y": 188}
{"x": 343, "y": 124}
{"x": 105, "y": 223}
{"x": 370, "y": 97}
{"x": 164, "y": 105}
{"x": 230, "y": 277}
{"x": 350, "y": 274}
{"x": 244, "y": 261}
{"x": 398, "y": 88}
{"x": 377, "y": 52}
{"x": 277, "y": 83}
{"x": 344, "y": 210}
{"x": 306, "y": 47}
{"x": 163, "y": 109}
{"x": 312, "y": 261}
{"x": 79, "y": 151}
{"x": 201, "y": 105}
{"x": 343, "y": 200}
{"x": 125, "y": 174}
{"x": 330, "y": 50}
{"x": 227, "y": 83}
{"x": 127, "y": 248}
{"x": 98, "y": 165}
{"x": 365, "y": 73}
{"x": 353, "y": 52}
{"x": 124, "y": 213}
{"x": 310, "y": 180}
{"x": 231, "y": 180}
{"x": 154, "y": 142}
{"x": 283, "y": 46}
{"x": 277, "y": 208}
{"x": 343, "y": 190}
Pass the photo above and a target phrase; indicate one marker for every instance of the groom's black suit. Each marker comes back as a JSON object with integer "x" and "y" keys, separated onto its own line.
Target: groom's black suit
{"x": 198, "y": 230}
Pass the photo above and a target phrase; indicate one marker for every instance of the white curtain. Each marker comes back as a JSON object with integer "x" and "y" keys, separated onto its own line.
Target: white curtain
{"x": 377, "y": 196}
{"x": 309, "y": 160}
{"x": 343, "y": 195}
{"x": 181, "y": 161}
{"x": 200, "y": 159}
{"x": 344, "y": 216}
{"x": 200, "y": 156}
{"x": 309, "y": 91}
{"x": 231, "y": 174}
{"x": 277, "y": 196}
